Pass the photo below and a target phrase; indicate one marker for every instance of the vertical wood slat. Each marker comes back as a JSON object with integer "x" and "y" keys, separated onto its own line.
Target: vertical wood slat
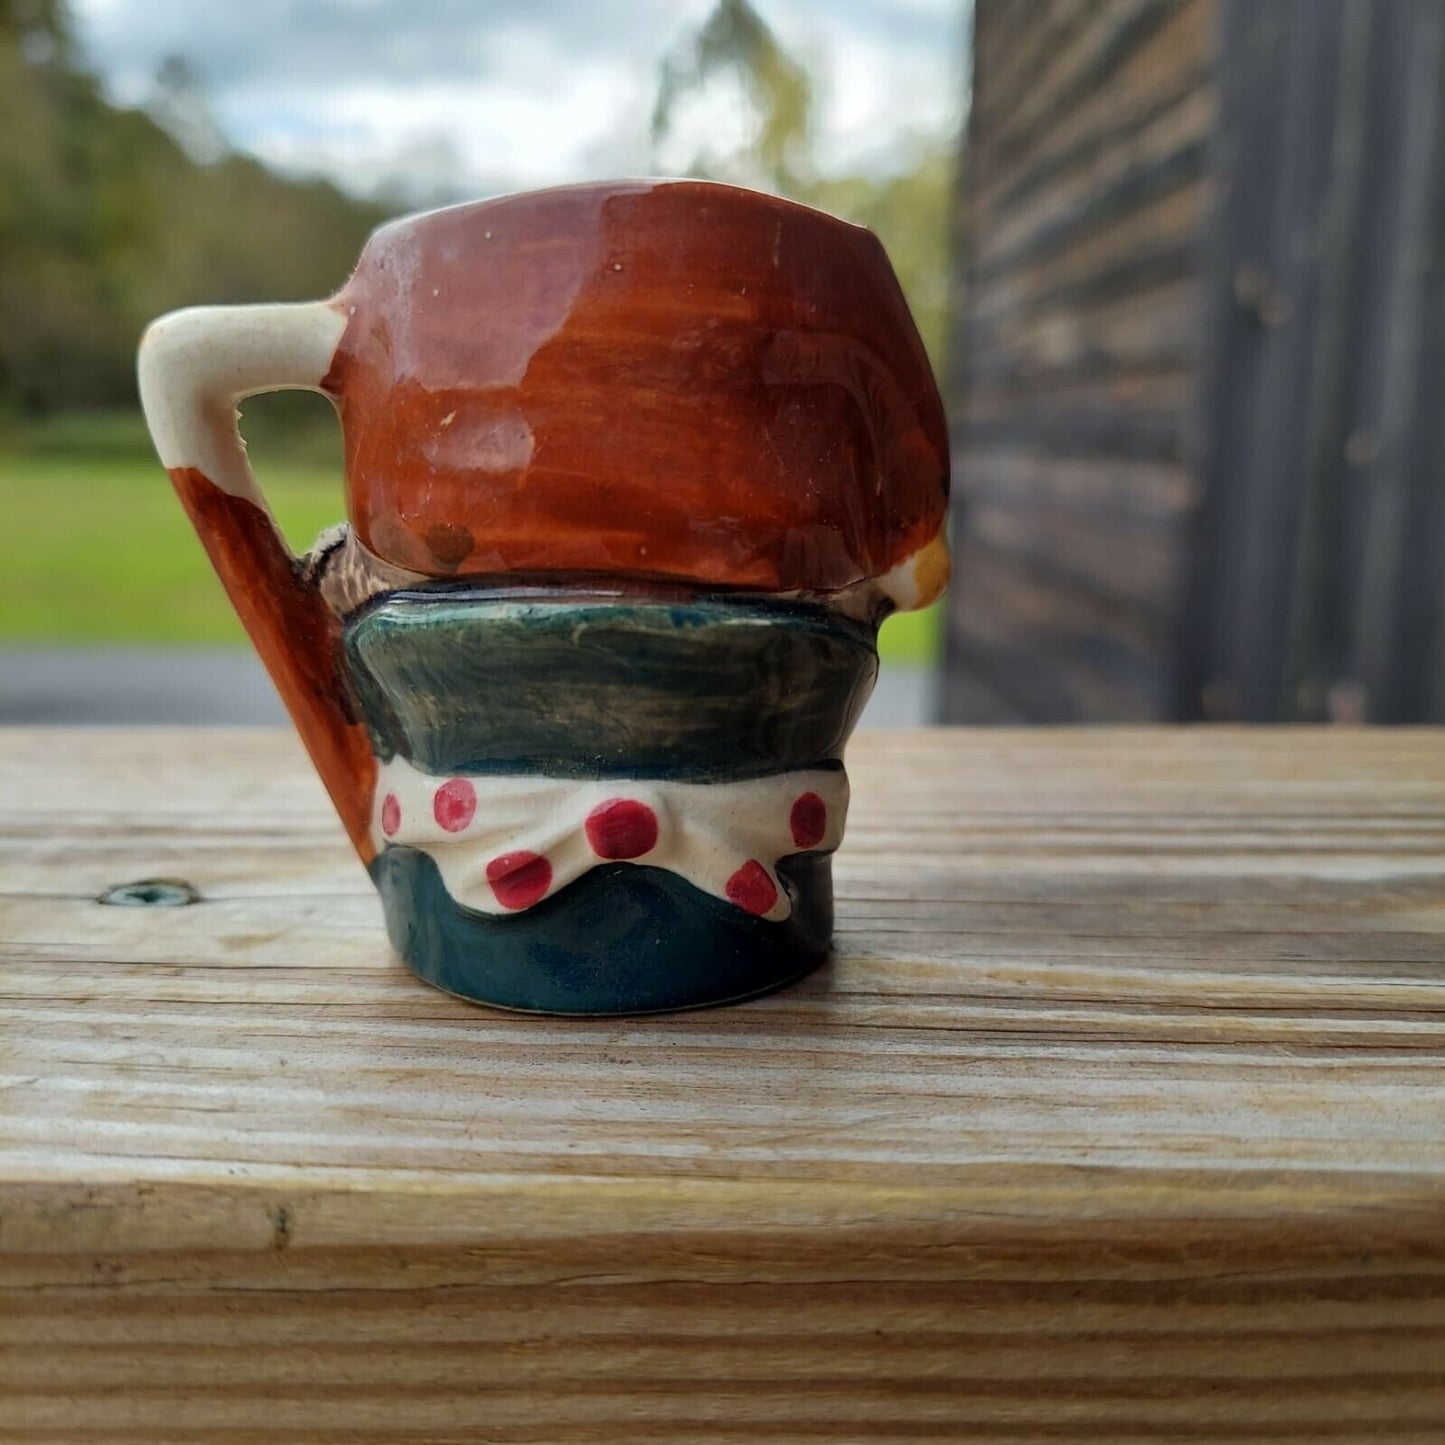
{"x": 1315, "y": 588}
{"x": 1400, "y": 603}
{"x": 1272, "y": 147}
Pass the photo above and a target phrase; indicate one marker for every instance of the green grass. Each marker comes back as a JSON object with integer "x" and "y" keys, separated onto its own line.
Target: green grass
{"x": 912, "y": 637}
{"x": 98, "y": 550}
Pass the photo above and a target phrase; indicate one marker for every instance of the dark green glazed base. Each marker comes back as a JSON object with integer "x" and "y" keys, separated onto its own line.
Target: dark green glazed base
{"x": 622, "y": 939}
{"x": 577, "y": 687}
{"x": 483, "y": 682}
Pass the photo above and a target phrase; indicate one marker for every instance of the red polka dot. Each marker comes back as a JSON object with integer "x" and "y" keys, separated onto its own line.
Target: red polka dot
{"x": 622, "y": 828}
{"x": 751, "y": 888}
{"x": 808, "y": 820}
{"x": 455, "y": 804}
{"x": 519, "y": 879}
{"x": 390, "y": 815}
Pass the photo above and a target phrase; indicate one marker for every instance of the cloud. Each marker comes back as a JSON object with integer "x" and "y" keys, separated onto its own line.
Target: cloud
{"x": 468, "y": 96}
{"x": 337, "y": 42}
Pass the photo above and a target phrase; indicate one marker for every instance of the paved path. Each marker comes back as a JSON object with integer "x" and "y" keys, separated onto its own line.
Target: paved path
{"x": 208, "y": 686}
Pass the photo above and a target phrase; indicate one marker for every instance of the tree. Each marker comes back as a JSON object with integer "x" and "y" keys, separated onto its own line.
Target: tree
{"x": 908, "y": 208}
{"x": 106, "y": 221}
{"x": 38, "y": 29}
{"x": 179, "y": 106}
{"x": 735, "y": 41}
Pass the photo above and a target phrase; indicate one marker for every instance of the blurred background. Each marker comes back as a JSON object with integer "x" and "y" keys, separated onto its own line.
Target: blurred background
{"x": 1196, "y": 363}
{"x": 159, "y": 153}
{"x": 1177, "y": 263}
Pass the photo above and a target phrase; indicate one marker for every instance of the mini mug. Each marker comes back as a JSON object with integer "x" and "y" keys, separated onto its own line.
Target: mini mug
{"x": 634, "y": 471}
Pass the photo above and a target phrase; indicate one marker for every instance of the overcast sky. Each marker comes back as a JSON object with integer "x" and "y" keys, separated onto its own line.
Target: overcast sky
{"x": 486, "y": 95}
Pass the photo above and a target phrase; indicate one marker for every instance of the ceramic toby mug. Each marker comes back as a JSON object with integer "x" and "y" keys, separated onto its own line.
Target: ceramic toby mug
{"x": 634, "y": 471}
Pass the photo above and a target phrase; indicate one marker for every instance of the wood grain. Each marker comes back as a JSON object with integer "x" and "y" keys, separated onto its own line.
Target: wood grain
{"x": 1087, "y": 187}
{"x": 1316, "y": 584}
{"x": 1119, "y": 1116}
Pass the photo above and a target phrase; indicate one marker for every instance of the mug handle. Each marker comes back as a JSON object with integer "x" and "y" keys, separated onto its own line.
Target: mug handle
{"x": 194, "y": 367}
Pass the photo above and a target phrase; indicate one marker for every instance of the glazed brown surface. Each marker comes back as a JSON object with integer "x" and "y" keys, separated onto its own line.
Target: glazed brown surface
{"x": 297, "y": 637}
{"x": 673, "y": 380}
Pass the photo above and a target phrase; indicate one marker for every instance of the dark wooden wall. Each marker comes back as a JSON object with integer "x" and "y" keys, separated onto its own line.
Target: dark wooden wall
{"x": 1085, "y": 190}
{"x": 1319, "y": 584}
{"x": 1199, "y": 393}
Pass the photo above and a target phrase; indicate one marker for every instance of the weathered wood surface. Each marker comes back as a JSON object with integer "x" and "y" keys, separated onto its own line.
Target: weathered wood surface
{"x": 1086, "y": 187}
{"x": 1119, "y": 1116}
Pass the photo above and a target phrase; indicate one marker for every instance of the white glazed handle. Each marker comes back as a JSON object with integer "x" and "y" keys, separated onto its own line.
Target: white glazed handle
{"x": 195, "y": 366}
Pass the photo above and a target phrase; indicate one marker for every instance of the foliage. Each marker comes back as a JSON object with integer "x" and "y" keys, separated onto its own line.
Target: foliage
{"x": 908, "y": 211}
{"x": 110, "y": 216}
{"x": 105, "y": 221}
{"x": 908, "y": 207}
{"x": 735, "y": 40}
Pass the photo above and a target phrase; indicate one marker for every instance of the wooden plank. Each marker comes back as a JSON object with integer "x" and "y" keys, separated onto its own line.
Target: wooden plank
{"x": 1116, "y": 1116}
{"x": 1014, "y": 42}
{"x": 1155, "y": 263}
{"x": 1037, "y": 595}
{"x": 1159, "y": 101}
{"x": 1278, "y": 117}
{"x": 972, "y": 697}
{"x": 1148, "y": 331}
{"x": 1072, "y": 393}
{"x": 1038, "y": 430}
{"x": 1052, "y": 671}
{"x": 1143, "y": 391}
{"x": 1088, "y": 58}
{"x": 1317, "y": 587}
{"x": 1139, "y": 252}
{"x": 1041, "y": 675}
{"x": 1398, "y": 630}
{"x": 1168, "y": 130}
{"x": 1162, "y": 199}
{"x": 1103, "y": 485}
{"x": 1137, "y": 54}
{"x": 1116, "y": 559}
